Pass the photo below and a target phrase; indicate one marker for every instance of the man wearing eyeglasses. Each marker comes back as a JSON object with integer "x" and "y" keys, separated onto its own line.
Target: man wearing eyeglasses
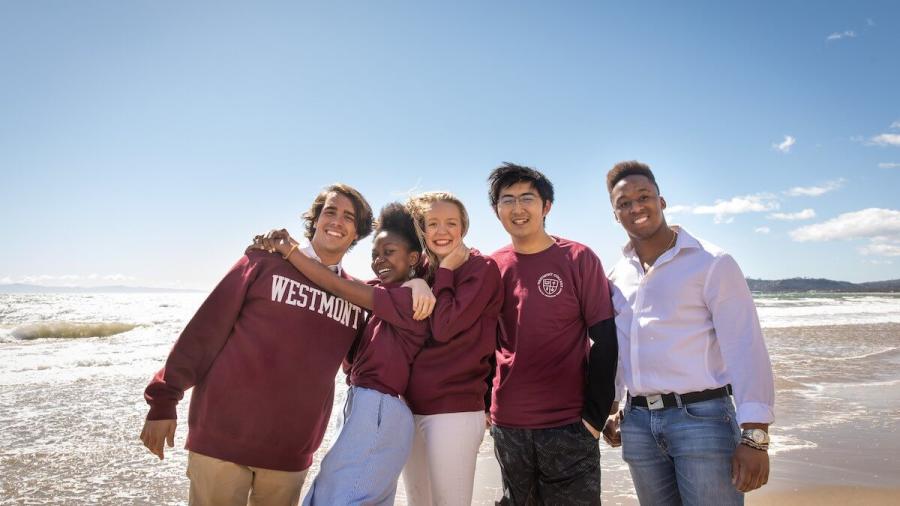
{"x": 545, "y": 419}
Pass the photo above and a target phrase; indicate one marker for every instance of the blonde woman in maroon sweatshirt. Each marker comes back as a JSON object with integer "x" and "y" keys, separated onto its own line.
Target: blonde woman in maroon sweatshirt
{"x": 447, "y": 385}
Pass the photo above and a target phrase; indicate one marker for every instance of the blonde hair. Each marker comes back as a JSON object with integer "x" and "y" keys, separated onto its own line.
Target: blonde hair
{"x": 418, "y": 207}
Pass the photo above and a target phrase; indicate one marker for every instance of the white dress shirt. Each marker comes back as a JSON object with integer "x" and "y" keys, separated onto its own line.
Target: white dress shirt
{"x": 311, "y": 253}
{"x": 689, "y": 324}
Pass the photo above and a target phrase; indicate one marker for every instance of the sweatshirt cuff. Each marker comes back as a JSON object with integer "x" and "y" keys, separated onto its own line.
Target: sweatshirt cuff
{"x": 443, "y": 278}
{"x": 596, "y": 420}
{"x": 163, "y": 411}
{"x": 755, "y": 412}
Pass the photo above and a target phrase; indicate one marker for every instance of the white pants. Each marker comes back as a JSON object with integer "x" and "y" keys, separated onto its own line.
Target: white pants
{"x": 441, "y": 467}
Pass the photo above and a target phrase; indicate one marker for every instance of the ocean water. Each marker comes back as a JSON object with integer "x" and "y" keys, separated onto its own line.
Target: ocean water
{"x": 73, "y": 368}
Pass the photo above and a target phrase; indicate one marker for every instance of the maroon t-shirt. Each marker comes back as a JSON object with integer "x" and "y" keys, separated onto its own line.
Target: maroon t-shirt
{"x": 261, "y": 354}
{"x": 389, "y": 343}
{"x": 449, "y": 373}
{"x": 551, "y": 298}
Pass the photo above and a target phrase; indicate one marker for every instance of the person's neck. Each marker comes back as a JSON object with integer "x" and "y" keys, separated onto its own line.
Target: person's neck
{"x": 533, "y": 244}
{"x": 327, "y": 259}
{"x": 651, "y": 248}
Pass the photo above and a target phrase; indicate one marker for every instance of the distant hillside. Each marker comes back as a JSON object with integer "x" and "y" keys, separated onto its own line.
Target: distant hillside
{"x": 820, "y": 285}
{"x": 23, "y": 288}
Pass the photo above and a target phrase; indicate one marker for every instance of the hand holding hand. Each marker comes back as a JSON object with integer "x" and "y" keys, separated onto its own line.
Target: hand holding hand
{"x": 749, "y": 468}
{"x": 157, "y": 432}
{"x": 611, "y": 432}
{"x": 423, "y": 298}
{"x": 457, "y": 257}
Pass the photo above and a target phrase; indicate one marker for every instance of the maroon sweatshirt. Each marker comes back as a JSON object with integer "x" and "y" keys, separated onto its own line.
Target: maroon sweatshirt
{"x": 449, "y": 374}
{"x": 261, "y": 354}
{"x": 390, "y": 342}
{"x": 551, "y": 298}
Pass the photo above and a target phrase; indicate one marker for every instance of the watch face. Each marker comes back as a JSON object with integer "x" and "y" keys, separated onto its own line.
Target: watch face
{"x": 758, "y": 436}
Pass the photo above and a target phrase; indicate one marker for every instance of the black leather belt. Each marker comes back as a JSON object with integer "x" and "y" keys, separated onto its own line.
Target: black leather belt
{"x": 660, "y": 401}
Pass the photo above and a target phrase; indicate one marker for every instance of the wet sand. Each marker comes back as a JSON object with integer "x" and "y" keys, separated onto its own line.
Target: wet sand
{"x": 822, "y": 476}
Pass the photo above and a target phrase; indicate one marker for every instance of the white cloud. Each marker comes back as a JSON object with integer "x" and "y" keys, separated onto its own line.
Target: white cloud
{"x": 762, "y": 230}
{"x": 6, "y": 280}
{"x": 895, "y": 124}
{"x": 118, "y": 277}
{"x": 68, "y": 279}
{"x": 815, "y": 191}
{"x": 723, "y": 210}
{"x": 847, "y": 34}
{"x": 805, "y": 214}
{"x": 738, "y": 205}
{"x": 870, "y": 22}
{"x": 882, "y": 247}
{"x": 785, "y": 145}
{"x": 886, "y": 140}
{"x": 880, "y": 226}
{"x": 889, "y": 165}
{"x": 678, "y": 209}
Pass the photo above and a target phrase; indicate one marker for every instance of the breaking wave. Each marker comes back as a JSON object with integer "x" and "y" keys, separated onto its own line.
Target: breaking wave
{"x": 70, "y": 330}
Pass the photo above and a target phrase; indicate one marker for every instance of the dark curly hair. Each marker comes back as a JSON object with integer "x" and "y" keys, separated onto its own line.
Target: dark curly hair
{"x": 360, "y": 207}
{"x": 396, "y": 219}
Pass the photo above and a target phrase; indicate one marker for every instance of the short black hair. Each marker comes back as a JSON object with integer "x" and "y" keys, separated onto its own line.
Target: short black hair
{"x": 360, "y": 207}
{"x": 509, "y": 174}
{"x": 622, "y": 170}
{"x": 396, "y": 219}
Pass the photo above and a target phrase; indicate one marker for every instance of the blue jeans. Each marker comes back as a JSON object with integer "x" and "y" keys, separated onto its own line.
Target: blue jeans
{"x": 682, "y": 455}
{"x": 365, "y": 461}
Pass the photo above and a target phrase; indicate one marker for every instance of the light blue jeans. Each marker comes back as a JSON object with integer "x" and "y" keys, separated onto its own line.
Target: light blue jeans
{"x": 682, "y": 455}
{"x": 365, "y": 461}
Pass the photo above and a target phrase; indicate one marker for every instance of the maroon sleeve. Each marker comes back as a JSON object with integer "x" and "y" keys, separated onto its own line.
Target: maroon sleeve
{"x": 394, "y": 305}
{"x": 462, "y": 298}
{"x": 200, "y": 342}
{"x": 596, "y": 304}
{"x": 347, "y": 364}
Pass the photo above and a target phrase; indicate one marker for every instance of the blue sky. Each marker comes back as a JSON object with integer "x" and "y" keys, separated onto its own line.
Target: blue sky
{"x": 145, "y": 142}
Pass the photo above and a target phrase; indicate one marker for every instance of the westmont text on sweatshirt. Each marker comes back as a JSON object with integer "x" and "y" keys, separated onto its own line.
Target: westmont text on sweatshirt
{"x": 261, "y": 354}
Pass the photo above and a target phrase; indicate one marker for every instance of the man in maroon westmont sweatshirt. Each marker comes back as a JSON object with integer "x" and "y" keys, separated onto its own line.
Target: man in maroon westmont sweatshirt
{"x": 261, "y": 354}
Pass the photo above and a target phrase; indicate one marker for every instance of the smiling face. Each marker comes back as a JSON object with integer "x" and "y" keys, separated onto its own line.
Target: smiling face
{"x": 392, "y": 257}
{"x": 443, "y": 228}
{"x": 335, "y": 228}
{"x": 638, "y": 206}
{"x": 521, "y": 210}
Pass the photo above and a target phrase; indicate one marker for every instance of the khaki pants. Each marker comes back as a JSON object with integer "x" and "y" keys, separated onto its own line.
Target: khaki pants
{"x": 217, "y": 482}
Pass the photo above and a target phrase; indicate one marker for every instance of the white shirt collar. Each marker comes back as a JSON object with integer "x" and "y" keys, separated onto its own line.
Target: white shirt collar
{"x": 311, "y": 253}
{"x": 684, "y": 240}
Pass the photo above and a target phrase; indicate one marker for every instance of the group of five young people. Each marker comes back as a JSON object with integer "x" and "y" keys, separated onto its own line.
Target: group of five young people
{"x": 420, "y": 388}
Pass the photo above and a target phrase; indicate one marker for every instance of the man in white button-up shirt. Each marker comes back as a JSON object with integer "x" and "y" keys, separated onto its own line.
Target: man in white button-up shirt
{"x": 689, "y": 337}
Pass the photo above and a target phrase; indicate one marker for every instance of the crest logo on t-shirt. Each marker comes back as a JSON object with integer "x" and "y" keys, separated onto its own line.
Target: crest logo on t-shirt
{"x": 550, "y": 284}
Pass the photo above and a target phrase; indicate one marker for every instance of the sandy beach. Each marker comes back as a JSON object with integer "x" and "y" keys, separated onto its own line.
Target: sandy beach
{"x": 71, "y": 408}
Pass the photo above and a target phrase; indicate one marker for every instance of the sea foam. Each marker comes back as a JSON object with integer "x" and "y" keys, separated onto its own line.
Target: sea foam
{"x": 70, "y": 330}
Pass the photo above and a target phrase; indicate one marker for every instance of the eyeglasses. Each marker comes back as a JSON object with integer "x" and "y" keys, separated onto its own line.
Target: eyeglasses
{"x": 524, "y": 200}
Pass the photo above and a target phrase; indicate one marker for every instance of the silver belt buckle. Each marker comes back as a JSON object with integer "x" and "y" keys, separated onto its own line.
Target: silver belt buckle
{"x": 655, "y": 402}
